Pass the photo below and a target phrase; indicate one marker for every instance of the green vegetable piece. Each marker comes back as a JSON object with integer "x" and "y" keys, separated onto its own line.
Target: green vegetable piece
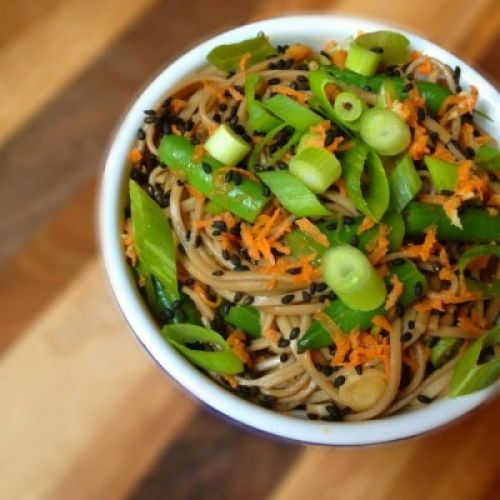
{"x": 245, "y": 318}
{"x": 186, "y": 312}
{"x": 226, "y": 146}
{"x": 183, "y": 336}
{"x": 361, "y": 60}
{"x": 469, "y": 376}
{"x": 259, "y": 119}
{"x": 346, "y": 319}
{"x": 384, "y": 131}
{"x": 412, "y": 280}
{"x": 387, "y": 93}
{"x": 374, "y": 200}
{"x": 245, "y": 200}
{"x": 488, "y": 157}
{"x": 265, "y": 141}
{"x": 445, "y": 348}
{"x": 433, "y": 94}
{"x": 228, "y": 57}
{"x": 348, "y": 107}
{"x": 291, "y": 112}
{"x": 478, "y": 224}
{"x": 444, "y": 174}
{"x": 395, "y": 46}
{"x": 153, "y": 240}
{"x": 349, "y": 273}
{"x": 404, "y": 183}
{"x": 317, "y": 168}
{"x": 293, "y": 194}
{"x": 489, "y": 290}
{"x": 213, "y": 208}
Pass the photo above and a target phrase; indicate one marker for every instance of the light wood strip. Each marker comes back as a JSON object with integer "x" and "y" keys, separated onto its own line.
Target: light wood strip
{"x": 53, "y": 50}
{"x": 75, "y": 383}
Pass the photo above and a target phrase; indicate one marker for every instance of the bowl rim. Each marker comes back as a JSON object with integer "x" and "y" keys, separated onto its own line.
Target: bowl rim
{"x": 111, "y": 198}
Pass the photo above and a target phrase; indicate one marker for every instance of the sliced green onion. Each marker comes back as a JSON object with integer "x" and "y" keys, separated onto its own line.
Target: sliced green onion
{"x": 469, "y": 376}
{"x": 387, "y": 93}
{"x": 433, "y": 93}
{"x": 228, "y": 57}
{"x": 245, "y": 318}
{"x": 444, "y": 174}
{"x": 302, "y": 245}
{"x": 227, "y": 146}
{"x": 294, "y": 114}
{"x": 293, "y": 194}
{"x": 348, "y": 107}
{"x": 361, "y": 60}
{"x": 374, "y": 200}
{"x": 184, "y": 336}
{"x": 395, "y": 46}
{"x": 445, "y": 348}
{"x": 477, "y": 223}
{"x": 169, "y": 312}
{"x": 245, "y": 200}
{"x": 153, "y": 240}
{"x": 412, "y": 279}
{"x": 489, "y": 290}
{"x": 345, "y": 318}
{"x": 213, "y": 208}
{"x": 259, "y": 119}
{"x": 384, "y": 131}
{"x": 404, "y": 183}
{"x": 349, "y": 273}
{"x": 317, "y": 168}
{"x": 488, "y": 157}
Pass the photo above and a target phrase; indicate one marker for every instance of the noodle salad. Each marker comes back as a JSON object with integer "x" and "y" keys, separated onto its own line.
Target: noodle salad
{"x": 318, "y": 230}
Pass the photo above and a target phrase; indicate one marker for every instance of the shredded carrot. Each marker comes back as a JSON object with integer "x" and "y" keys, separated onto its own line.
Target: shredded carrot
{"x": 424, "y": 250}
{"x": 397, "y": 290}
{"x": 426, "y": 67}
{"x": 366, "y": 224}
{"x": 195, "y": 193}
{"x": 135, "y": 155}
{"x": 200, "y": 291}
{"x": 198, "y": 152}
{"x": 409, "y": 361}
{"x": 438, "y": 301}
{"x": 446, "y": 272}
{"x": 471, "y": 324}
{"x": 458, "y": 104}
{"x": 297, "y": 52}
{"x": 216, "y": 89}
{"x": 418, "y": 146}
{"x": 272, "y": 335}
{"x": 236, "y": 341}
{"x": 318, "y": 358}
{"x": 443, "y": 153}
{"x": 382, "y": 322}
{"x": 338, "y": 58}
{"x": 378, "y": 248}
{"x": 308, "y": 227}
{"x": 177, "y": 105}
{"x": 340, "y": 185}
{"x": 235, "y": 94}
{"x": 176, "y": 130}
{"x": 299, "y": 96}
{"x": 382, "y": 270}
{"x": 244, "y": 60}
{"x": 415, "y": 54}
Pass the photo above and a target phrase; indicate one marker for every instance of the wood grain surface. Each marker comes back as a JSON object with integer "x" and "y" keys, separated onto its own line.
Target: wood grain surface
{"x": 85, "y": 412}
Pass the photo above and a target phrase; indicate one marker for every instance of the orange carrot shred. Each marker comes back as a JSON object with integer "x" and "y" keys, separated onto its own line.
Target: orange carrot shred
{"x": 338, "y": 58}
{"x": 397, "y": 290}
{"x": 297, "y": 52}
{"x": 244, "y": 60}
{"x": 135, "y": 155}
{"x": 366, "y": 224}
{"x": 308, "y": 227}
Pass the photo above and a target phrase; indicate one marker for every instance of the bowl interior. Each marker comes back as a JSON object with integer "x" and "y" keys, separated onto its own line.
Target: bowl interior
{"x": 315, "y": 31}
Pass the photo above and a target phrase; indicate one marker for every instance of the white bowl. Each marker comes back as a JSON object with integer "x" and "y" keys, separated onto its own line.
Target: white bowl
{"x": 313, "y": 30}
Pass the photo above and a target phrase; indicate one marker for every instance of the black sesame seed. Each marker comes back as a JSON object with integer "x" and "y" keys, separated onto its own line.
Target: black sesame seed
{"x": 225, "y": 308}
{"x": 321, "y": 287}
{"x": 241, "y": 267}
{"x": 273, "y": 81}
{"x": 294, "y": 86}
{"x": 237, "y": 179}
{"x": 220, "y": 225}
{"x": 284, "y": 357}
{"x": 313, "y": 288}
{"x": 150, "y": 112}
{"x": 359, "y": 369}
{"x": 333, "y": 410}
{"x": 225, "y": 254}
{"x": 271, "y": 66}
{"x": 294, "y": 270}
{"x": 222, "y": 106}
{"x": 179, "y": 183}
{"x": 377, "y": 50}
{"x": 411, "y": 324}
{"x": 312, "y": 416}
{"x": 229, "y": 176}
{"x": 469, "y": 153}
{"x": 329, "y": 137}
{"x": 436, "y": 267}
{"x": 282, "y": 342}
{"x": 206, "y": 167}
{"x": 327, "y": 371}
{"x": 367, "y": 88}
{"x": 332, "y": 226}
{"x": 424, "y": 399}
{"x": 217, "y": 118}
{"x": 197, "y": 241}
{"x": 219, "y": 272}
{"x": 406, "y": 337}
{"x": 456, "y": 73}
{"x": 238, "y": 296}
{"x": 181, "y": 249}
{"x": 235, "y": 259}
{"x": 286, "y": 299}
{"x": 282, "y": 165}
{"x": 419, "y": 289}
{"x": 407, "y": 87}
{"x": 434, "y": 136}
{"x": 340, "y": 380}
{"x": 294, "y": 333}
{"x": 247, "y": 300}
{"x": 239, "y": 89}
{"x": 349, "y": 220}
{"x": 421, "y": 114}
{"x": 265, "y": 190}
{"x": 306, "y": 296}
{"x": 141, "y": 135}
{"x": 216, "y": 232}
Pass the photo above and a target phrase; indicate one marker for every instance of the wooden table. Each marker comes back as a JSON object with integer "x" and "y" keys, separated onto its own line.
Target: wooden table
{"x": 85, "y": 413}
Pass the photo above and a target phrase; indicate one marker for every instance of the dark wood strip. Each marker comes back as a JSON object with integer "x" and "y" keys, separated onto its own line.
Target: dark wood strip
{"x": 64, "y": 146}
{"x": 213, "y": 460}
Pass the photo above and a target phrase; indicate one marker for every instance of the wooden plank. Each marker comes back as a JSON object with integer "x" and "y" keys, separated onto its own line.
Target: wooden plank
{"x": 77, "y": 392}
{"x": 58, "y": 46}
{"x": 213, "y": 460}
{"x": 440, "y": 466}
